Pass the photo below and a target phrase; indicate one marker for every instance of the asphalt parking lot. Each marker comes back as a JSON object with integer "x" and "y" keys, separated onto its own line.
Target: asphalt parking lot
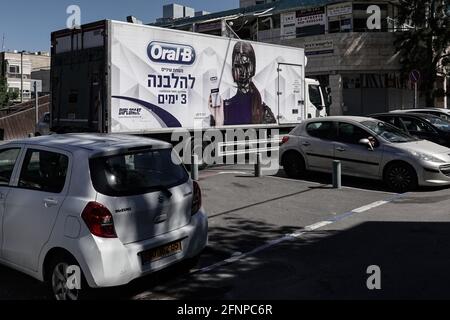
{"x": 276, "y": 238}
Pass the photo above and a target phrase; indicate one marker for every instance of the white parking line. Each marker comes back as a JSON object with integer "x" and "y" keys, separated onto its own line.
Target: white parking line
{"x": 321, "y": 184}
{"x": 237, "y": 257}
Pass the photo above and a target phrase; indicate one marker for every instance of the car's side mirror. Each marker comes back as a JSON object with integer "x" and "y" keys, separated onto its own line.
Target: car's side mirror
{"x": 367, "y": 143}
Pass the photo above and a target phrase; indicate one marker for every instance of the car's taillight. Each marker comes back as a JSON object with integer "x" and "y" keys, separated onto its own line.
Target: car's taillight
{"x": 284, "y": 140}
{"x": 99, "y": 220}
{"x": 196, "y": 199}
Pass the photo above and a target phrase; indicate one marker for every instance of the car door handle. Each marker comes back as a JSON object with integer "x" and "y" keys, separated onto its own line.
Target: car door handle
{"x": 306, "y": 144}
{"x": 50, "y": 202}
{"x": 340, "y": 149}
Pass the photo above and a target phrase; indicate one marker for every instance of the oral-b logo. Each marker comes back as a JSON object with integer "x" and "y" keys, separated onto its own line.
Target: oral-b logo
{"x": 163, "y": 52}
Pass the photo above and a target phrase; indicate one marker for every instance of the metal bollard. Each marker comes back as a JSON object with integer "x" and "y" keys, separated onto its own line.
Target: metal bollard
{"x": 337, "y": 174}
{"x": 258, "y": 166}
{"x": 194, "y": 167}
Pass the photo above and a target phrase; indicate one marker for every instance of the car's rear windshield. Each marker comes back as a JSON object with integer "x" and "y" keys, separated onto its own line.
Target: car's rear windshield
{"x": 137, "y": 173}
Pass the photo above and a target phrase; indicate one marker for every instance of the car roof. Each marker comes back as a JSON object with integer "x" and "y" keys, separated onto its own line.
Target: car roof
{"x": 408, "y": 114}
{"x": 447, "y": 111}
{"x": 340, "y": 118}
{"x": 92, "y": 143}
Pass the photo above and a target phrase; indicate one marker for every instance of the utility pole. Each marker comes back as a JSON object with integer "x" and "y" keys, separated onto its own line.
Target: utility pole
{"x": 36, "y": 106}
{"x": 3, "y": 42}
{"x": 21, "y": 76}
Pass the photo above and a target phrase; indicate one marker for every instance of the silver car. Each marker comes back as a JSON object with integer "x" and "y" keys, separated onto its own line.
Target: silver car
{"x": 367, "y": 148}
{"x": 115, "y": 207}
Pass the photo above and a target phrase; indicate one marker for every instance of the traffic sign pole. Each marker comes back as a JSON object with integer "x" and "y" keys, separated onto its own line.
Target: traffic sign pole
{"x": 414, "y": 77}
{"x": 36, "y": 107}
{"x": 415, "y": 95}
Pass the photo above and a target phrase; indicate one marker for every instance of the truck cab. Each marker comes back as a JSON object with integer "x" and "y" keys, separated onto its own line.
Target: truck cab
{"x": 315, "y": 99}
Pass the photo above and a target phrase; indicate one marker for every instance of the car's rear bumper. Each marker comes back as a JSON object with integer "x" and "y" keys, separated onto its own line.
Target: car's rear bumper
{"x": 109, "y": 263}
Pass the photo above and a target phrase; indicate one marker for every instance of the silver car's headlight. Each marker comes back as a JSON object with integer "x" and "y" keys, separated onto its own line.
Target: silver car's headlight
{"x": 426, "y": 157}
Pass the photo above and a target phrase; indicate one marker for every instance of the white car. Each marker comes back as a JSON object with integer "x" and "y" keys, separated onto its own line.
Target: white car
{"x": 115, "y": 207}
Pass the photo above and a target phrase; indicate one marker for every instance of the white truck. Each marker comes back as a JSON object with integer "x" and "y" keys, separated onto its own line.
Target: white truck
{"x": 116, "y": 77}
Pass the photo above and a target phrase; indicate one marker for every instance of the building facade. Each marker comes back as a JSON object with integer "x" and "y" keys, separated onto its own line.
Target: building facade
{"x": 16, "y": 65}
{"x": 349, "y": 45}
{"x": 249, "y": 3}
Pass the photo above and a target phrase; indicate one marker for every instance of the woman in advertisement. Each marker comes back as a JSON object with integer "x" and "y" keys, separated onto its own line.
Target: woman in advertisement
{"x": 246, "y": 107}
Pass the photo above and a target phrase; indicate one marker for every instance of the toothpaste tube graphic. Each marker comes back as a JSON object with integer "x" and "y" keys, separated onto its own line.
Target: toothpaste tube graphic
{"x": 214, "y": 85}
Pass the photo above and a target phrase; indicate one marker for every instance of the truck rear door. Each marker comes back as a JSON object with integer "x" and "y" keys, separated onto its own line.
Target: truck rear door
{"x": 78, "y": 78}
{"x": 291, "y": 93}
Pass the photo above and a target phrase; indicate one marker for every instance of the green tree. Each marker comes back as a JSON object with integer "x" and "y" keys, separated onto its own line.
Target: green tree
{"x": 425, "y": 45}
{"x": 6, "y": 97}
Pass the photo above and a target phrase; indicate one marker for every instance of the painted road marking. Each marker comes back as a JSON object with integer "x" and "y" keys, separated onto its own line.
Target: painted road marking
{"x": 296, "y": 235}
{"x": 209, "y": 174}
{"x": 317, "y": 183}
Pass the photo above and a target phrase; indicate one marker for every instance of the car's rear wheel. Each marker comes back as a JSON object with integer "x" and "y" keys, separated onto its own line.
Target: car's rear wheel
{"x": 294, "y": 165}
{"x": 63, "y": 286}
{"x": 401, "y": 178}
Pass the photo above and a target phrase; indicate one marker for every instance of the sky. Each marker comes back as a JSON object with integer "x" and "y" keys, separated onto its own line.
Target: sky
{"x": 27, "y": 24}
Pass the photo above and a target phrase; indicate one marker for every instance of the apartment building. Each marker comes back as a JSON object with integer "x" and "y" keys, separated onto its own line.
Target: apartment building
{"x": 18, "y": 68}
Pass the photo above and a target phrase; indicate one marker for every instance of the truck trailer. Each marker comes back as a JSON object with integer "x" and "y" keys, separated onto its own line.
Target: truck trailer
{"x": 117, "y": 77}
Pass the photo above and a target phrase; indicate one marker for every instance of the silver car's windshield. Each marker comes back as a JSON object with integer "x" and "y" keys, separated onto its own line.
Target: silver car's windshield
{"x": 388, "y": 132}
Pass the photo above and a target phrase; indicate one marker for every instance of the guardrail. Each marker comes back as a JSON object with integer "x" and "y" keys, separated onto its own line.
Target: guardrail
{"x": 249, "y": 146}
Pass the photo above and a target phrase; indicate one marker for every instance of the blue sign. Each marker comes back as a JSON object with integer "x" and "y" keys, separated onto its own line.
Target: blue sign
{"x": 414, "y": 76}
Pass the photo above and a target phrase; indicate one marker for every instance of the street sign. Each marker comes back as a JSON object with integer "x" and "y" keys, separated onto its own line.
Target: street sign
{"x": 414, "y": 76}
{"x": 36, "y": 84}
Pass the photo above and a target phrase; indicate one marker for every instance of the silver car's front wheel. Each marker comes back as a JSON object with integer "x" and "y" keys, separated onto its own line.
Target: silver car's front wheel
{"x": 59, "y": 283}
{"x": 401, "y": 178}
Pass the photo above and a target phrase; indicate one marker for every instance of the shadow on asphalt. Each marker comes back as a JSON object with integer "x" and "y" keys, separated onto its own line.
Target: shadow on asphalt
{"x": 352, "y": 182}
{"x": 413, "y": 257}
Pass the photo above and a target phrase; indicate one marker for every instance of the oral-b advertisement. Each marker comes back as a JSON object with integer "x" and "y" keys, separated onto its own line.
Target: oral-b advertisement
{"x": 166, "y": 79}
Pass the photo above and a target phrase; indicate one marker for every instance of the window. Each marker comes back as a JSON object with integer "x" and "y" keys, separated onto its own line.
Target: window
{"x": 388, "y": 132}
{"x": 44, "y": 171}
{"x": 137, "y": 173}
{"x": 350, "y": 133}
{"x": 416, "y": 125}
{"x": 322, "y": 130}
{"x": 315, "y": 96}
{"x": 14, "y": 90}
{"x": 14, "y": 69}
{"x": 388, "y": 119}
{"x": 437, "y": 114}
{"x": 8, "y": 160}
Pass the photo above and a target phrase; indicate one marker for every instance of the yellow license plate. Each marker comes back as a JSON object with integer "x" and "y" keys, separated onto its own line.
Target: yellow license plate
{"x": 161, "y": 252}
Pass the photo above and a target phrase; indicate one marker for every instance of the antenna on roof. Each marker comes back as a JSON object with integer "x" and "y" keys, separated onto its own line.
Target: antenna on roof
{"x": 3, "y": 42}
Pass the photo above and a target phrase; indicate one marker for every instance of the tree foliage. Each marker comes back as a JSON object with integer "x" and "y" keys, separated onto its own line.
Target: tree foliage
{"x": 426, "y": 44}
{"x": 6, "y": 97}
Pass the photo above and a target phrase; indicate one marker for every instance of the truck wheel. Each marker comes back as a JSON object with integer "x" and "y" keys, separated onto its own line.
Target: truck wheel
{"x": 294, "y": 165}
{"x": 401, "y": 177}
